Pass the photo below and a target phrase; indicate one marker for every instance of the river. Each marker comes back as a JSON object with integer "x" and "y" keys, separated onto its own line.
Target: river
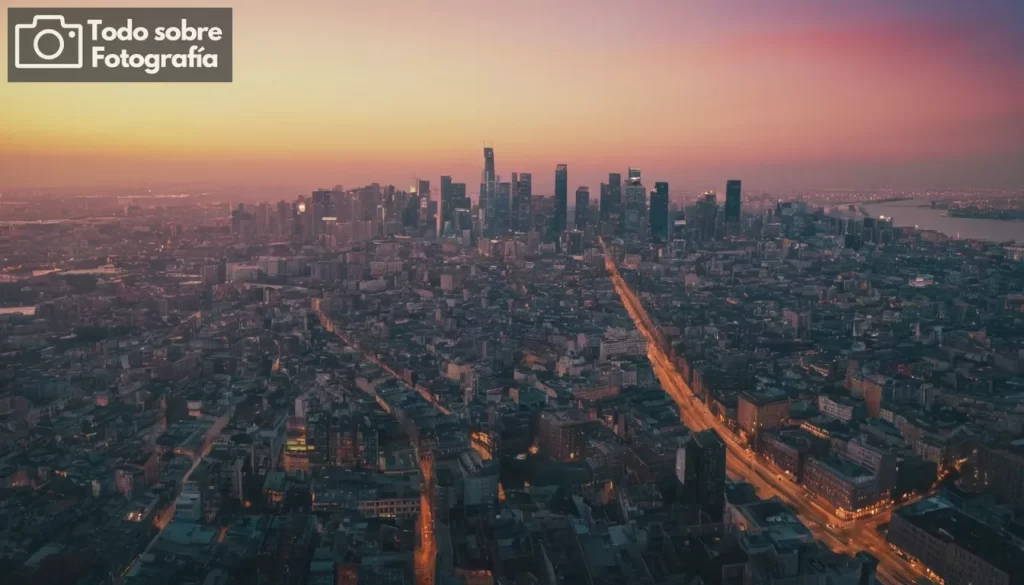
{"x": 911, "y": 213}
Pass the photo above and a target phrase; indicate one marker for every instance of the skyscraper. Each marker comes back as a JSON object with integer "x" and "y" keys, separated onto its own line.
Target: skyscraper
{"x": 614, "y": 203}
{"x": 447, "y": 203}
{"x": 322, "y": 206}
{"x": 502, "y": 206}
{"x": 582, "y": 207}
{"x": 732, "y": 205}
{"x": 453, "y": 199}
{"x": 707, "y": 217}
{"x": 659, "y": 213}
{"x": 522, "y": 208}
{"x": 461, "y": 205}
{"x": 488, "y": 182}
{"x": 427, "y": 223}
{"x": 604, "y": 204}
{"x": 411, "y": 213}
{"x": 558, "y": 223}
{"x": 700, "y": 469}
{"x": 634, "y": 176}
{"x": 634, "y": 205}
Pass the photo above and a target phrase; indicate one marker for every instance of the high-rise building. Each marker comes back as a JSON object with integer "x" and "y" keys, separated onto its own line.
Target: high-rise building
{"x": 678, "y": 225}
{"x": 428, "y": 221}
{"x": 615, "y": 190}
{"x": 634, "y": 176}
{"x": 700, "y": 469}
{"x": 450, "y": 208}
{"x": 323, "y": 206}
{"x": 659, "y": 213}
{"x": 488, "y": 185}
{"x": 522, "y": 206}
{"x": 707, "y": 217}
{"x": 634, "y": 205}
{"x": 502, "y": 208}
{"x": 612, "y": 218}
{"x": 558, "y": 223}
{"x": 582, "y": 207}
{"x": 430, "y": 218}
{"x": 604, "y": 204}
{"x": 732, "y": 205}
{"x": 285, "y": 223}
{"x": 447, "y": 203}
{"x": 463, "y": 220}
{"x": 411, "y": 213}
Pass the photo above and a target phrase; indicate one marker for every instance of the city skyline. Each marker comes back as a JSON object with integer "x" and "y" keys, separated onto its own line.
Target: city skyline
{"x": 798, "y": 95}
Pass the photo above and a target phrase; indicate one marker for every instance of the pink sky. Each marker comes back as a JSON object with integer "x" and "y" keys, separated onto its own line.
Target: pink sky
{"x": 793, "y": 93}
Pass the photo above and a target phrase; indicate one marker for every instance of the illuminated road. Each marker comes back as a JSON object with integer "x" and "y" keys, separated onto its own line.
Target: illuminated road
{"x": 425, "y": 557}
{"x": 425, "y": 561}
{"x": 741, "y": 464}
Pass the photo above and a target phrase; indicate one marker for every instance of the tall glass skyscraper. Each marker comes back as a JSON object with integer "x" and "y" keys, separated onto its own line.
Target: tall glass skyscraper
{"x": 634, "y": 205}
{"x": 614, "y": 202}
{"x": 522, "y": 208}
{"x": 453, "y": 197}
{"x": 659, "y": 213}
{"x": 447, "y": 204}
{"x": 488, "y": 185}
{"x": 558, "y": 223}
{"x": 502, "y": 205}
{"x": 634, "y": 176}
{"x": 582, "y": 207}
{"x": 733, "y": 189}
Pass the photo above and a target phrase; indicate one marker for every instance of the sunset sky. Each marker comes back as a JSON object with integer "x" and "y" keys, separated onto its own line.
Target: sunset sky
{"x": 781, "y": 93}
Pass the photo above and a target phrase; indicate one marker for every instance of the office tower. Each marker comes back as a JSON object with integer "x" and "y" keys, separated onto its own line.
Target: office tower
{"x": 285, "y": 225}
{"x": 659, "y": 213}
{"x": 429, "y": 217}
{"x": 489, "y": 174}
{"x": 678, "y": 225}
{"x": 411, "y": 213}
{"x": 707, "y": 217}
{"x": 700, "y": 469}
{"x": 367, "y": 200}
{"x": 457, "y": 200}
{"x": 732, "y": 206}
{"x": 614, "y": 214}
{"x": 634, "y": 205}
{"x": 558, "y": 223}
{"x": 522, "y": 208}
{"x": 604, "y": 204}
{"x": 488, "y": 182}
{"x": 303, "y": 212}
{"x": 447, "y": 204}
{"x": 615, "y": 191}
{"x": 463, "y": 220}
{"x": 423, "y": 190}
{"x": 323, "y": 206}
{"x": 502, "y": 206}
{"x": 574, "y": 242}
{"x": 582, "y": 207}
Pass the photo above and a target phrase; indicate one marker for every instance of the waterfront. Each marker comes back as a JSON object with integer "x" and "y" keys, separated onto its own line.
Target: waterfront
{"x": 917, "y": 213}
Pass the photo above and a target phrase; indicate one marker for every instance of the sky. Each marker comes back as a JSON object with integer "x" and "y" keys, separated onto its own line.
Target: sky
{"x": 787, "y": 94}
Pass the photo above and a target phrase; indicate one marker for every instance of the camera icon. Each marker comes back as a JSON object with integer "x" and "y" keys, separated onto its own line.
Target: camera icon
{"x": 48, "y": 43}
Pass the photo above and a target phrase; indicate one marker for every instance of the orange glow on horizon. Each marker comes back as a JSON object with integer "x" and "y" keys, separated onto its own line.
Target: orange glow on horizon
{"x": 357, "y": 92}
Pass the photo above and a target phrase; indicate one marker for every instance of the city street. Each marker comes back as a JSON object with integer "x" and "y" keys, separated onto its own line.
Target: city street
{"x": 743, "y": 465}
